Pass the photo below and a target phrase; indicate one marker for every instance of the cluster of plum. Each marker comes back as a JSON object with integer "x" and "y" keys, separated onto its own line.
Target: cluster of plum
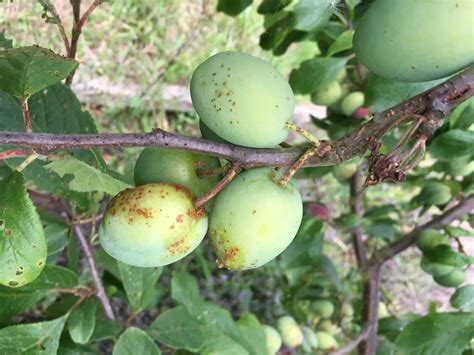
{"x": 240, "y": 99}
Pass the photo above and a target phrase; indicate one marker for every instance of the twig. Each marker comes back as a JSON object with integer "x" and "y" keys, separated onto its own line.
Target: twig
{"x": 87, "y": 220}
{"x": 353, "y": 343}
{"x": 27, "y": 162}
{"x": 95, "y": 274}
{"x": 371, "y": 297}
{"x": 26, "y": 116}
{"x": 234, "y": 169}
{"x": 434, "y": 104}
{"x": 59, "y": 23}
{"x": 356, "y": 208}
{"x": 14, "y": 153}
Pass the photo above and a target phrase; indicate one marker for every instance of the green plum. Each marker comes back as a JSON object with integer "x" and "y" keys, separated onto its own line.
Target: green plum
{"x": 310, "y": 336}
{"x": 152, "y": 225}
{"x": 430, "y": 238}
{"x": 452, "y": 279}
{"x": 382, "y": 310}
{"x": 254, "y": 219}
{"x": 243, "y": 99}
{"x": 290, "y": 332}
{"x": 273, "y": 339}
{"x": 327, "y": 326}
{"x": 326, "y": 341}
{"x": 415, "y": 41}
{"x": 175, "y": 167}
{"x": 209, "y": 134}
{"x": 328, "y": 95}
{"x": 323, "y": 308}
{"x": 352, "y": 102}
{"x": 435, "y": 269}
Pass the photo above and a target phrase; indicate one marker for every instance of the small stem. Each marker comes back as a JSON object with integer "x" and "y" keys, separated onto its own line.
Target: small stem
{"x": 59, "y": 23}
{"x": 27, "y": 162}
{"x": 87, "y": 220}
{"x": 233, "y": 171}
{"x": 303, "y": 132}
{"x": 26, "y": 116}
{"x": 14, "y": 153}
{"x": 310, "y": 152}
{"x": 203, "y": 172}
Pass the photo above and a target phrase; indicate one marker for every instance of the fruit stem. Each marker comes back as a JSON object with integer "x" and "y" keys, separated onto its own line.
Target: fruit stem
{"x": 311, "y": 151}
{"x": 232, "y": 172}
{"x": 303, "y": 132}
{"x": 203, "y": 172}
{"x": 27, "y": 162}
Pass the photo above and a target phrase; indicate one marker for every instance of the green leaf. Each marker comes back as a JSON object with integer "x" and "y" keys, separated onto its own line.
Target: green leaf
{"x": 437, "y": 334}
{"x": 105, "y": 328}
{"x": 86, "y": 178}
{"x": 275, "y": 34}
{"x": 342, "y": 43}
{"x": 463, "y": 298}
{"x": 463, "y": 116}
{"x": 53, "y": 277}
{"x": 22, "y": 243}
{"x": 139, "y": 284}
{"x": 135, "y": 341}
{"x": 81, "y": 322}
{"x": 27, "y": 70}
{"x": 272, "y": 6}
{"x": 253, "y": 334}
{"x": 34, "y": 338}
{"x": 347, "y": 220}
{"x": 185, "y": 291}
{"x": 453, "y": 143}
{"x": 312, "y": 15}
{"x": 458, "y": 232}
{"x": 56, "y": 237}
{"x": 327, "y": 266}
{"x": 233, "y": 7}
{"x": 315, "y": 74}
{"x": 224, "y": 346}
{"x": 381, "y": 93}
{"x": 5, "y": 42}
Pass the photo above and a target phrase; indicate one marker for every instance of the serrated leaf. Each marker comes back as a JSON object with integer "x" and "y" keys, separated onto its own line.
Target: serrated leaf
{"x": 139, "y": 284}
{"x": 233, "y": 7}
{"x": 34, "y": 338}
{"x": 135, "y": 341}
{"x": 455, "y": 142}
{"x": 185, "y": 291}
{"x": 23, "y": 248}
{"x": 252, "y": 333}
{"x": 437, "y": 334}
{"x": 27, "y": 70}
{"x": 463, "y": 298}
{"x": 272, "y": 6}
{"x": 81, "y": 321}
{"x": 342, "y": 43}
{"x": 86, "y": 178}
{"x": 312, "y": 15}
{"x": 315, "y": 74}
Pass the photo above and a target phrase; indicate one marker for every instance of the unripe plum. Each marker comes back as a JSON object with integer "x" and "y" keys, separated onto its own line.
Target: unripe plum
{"x": 430, "y": 238}
{"x": 382, "y": 310}
{"x": 273, "y": 339}
{"x": 175, "y": 167}
{"x": 243, "y": 99}
{"x": 310, "y": 336}
{"x": 453, "y": 279}
{"x": 209, "y": 134}
{"x": 352, "y": 102}
{"x": 328, "y": 95}
{"x": 152, "y": 225}
{"x": 290, "y": 332}
{"x": 324, "y": 308}
{"x": 416, "y": 41}
{"x": 254, "y": 219}
{"x": 327, "y": 326}
{"x": 435, "y": 269}
{"x": 326, "y": 341}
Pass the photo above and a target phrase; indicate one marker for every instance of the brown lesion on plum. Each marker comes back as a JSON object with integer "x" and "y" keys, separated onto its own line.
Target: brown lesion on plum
{"x": 178, "y": 247}
{"x": 179, "y": 218}
{"x": 229, "y": 255}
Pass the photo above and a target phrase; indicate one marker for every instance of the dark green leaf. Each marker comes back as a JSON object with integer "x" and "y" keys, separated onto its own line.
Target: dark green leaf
{"x": 22, "y": 243}
{"x": 347, "y": 220}
{"x": 275, "y": 34}
{"x": 342, "y": 43}
{"x": 34, "y": 338}
{"x": 463, "y": 116}
{"x": 224, "y": 346}
{"x": 458, "y": 232}
{"x": 312, "y": 15}
{"x": 233, "y": 7}
{"x": 135, "y": 341}
{"x": 272, "y": 6}
{"x": 185, "y": 291}
{"x": 381, "y": 230}
{"x": 314, "y": 74}
{"x": 25, "y": 71}
{"x": 252, "y": 333}
{"x": 104, "y": 327}
{"x": 437, "y": 334}
{"x": 444, "y": 254}
{"x": 81, "y": 322}
{"x": 56, "y": 237}
{"x": 453, "y": 143}
{"x": 327, "y": 266}
{"x": 463, "y": 298}
{"x": 5, "y": 42}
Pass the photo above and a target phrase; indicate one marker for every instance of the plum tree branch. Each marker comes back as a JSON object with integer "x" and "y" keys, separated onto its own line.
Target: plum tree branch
{"x": 433, "y": 104}
{"x": 356, "y": 192}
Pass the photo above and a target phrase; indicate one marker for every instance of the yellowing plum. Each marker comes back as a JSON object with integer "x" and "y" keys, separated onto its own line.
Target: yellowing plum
{"x": 273, "y": 339}
{"x": 415, "y": 41}
{"x": 152, "y": 225}
{"x": 290, "y": 332}
{"x": 326, "y": 341}
{"x": 175, "y": 167}
{"x": 253, "y": 219}
{"x": 243, "y": 99}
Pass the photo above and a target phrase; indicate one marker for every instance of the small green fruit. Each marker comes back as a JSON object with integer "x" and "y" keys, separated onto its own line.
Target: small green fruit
{"x": 382, "y": 310}
{"x": 344, "y": 171}
{"x": 328, "y": 95}
{"x": 453, "y": 279}
{"x": 352, "y": 102}
{"x": 327, "y": 326}
{"x": 435, "y": 269}
{"x": 326, "y": 341}
{"x": 429, "y": 238}
{"x": 273, "y": 339}
{"x": 324, "y": 308}
{"x": 175, "y": 167}
{"x": 310, "y": 336}
{"x": 434, "y": 193}
{"x": 341, "y": 75}
{"x": 290, "y": 332}
{"x": 348, "y": 310}
{"x": 152, "y": 225}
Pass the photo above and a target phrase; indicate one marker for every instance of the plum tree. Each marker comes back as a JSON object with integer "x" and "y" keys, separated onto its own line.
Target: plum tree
{"x": 429, "y": 238}
{"x": 152, "y": 225}
{"x": 273, "y": 339}
{"x": 452, "y": 279}
{"x": 254, "y": 219}
{"x": 352, "y": 102}
{"x": 326, "y": 341}
{"x": 175, "y": 167}
{"x": 323, "y": 308}
{"x": 416, "y": 41}
{"x": 328, "y": 95}
{"x": 243, "y": 99}
{"x": 290, "y": 331}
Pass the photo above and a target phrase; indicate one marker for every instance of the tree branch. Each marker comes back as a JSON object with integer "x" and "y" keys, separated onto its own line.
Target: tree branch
{"x": 356, "y": 192}
{"x": 434, "y": 104}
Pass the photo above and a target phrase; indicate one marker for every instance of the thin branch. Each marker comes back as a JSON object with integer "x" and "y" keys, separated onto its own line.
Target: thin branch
{"x": 434, "y": 104}
{"x": 26, "y": 117}
{"x": 353, "y": 343}
{"x": 57, "y": 20}
{"x": 14, "y": 153}
{"x": 356, "y": 192}
{"x": 95, "y": 274}
{"x": 371, "y": 297}
{"x": 233, "y": 171}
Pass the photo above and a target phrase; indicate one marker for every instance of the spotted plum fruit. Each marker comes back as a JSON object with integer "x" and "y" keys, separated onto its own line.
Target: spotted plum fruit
{"x": 416, "y": 41}
{"x": 152, "y": 225}
{"x": 175, "y": 167}
{"x": 243, "y": 99}
{"x": 273, "y": 339}
{"x": 253, "y": 219}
